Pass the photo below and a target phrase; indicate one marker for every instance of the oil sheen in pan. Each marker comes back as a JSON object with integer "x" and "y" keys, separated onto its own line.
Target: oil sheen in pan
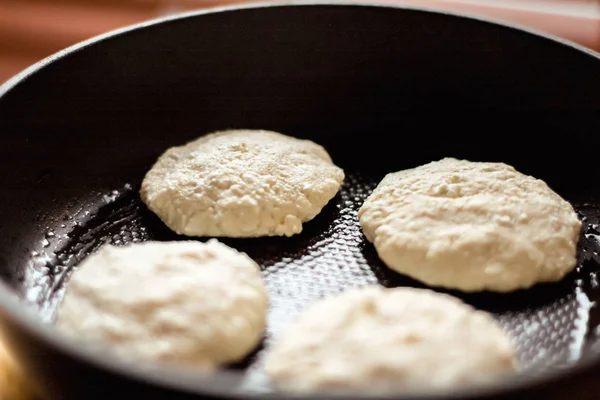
{"x": 552, "y": 324}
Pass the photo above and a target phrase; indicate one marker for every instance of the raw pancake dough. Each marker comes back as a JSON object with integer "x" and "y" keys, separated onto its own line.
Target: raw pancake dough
{"x": 471, "y": 226}
{"x": 188, "y": 303}
{"x": 241, "y": 183}
{"x": 376, "y": 340}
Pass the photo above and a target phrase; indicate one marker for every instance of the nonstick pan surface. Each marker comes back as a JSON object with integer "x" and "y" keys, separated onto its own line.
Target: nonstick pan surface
{"x": 382, "y": 88}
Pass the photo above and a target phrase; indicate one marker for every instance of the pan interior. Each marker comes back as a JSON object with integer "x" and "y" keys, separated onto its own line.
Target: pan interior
{"x": 382, "y": 89}
{"x": 552, "y": 324}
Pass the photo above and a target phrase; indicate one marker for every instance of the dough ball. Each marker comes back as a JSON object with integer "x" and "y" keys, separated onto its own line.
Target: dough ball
{"x": 471, "y": 226}
{"x": 375, "y": 340}
{"x": 241, "y": 183}
{"x": 187, "y": 303}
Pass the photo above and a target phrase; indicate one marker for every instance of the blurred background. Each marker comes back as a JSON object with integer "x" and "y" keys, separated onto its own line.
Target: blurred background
{"x": 30, "y": 30}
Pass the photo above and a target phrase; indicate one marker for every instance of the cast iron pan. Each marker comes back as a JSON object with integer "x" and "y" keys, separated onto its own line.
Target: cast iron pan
{"x": 382, "y": 88}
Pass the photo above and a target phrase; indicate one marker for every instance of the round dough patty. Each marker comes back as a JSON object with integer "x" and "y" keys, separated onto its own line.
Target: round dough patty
{"x": 241, "y": 183}
{"x": 375, "y": 339}
{"x": 188, "y": 303}
{"x": 471, "y": 226}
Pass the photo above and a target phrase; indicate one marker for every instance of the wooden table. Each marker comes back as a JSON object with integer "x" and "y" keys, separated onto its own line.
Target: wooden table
{"x": 12, "y": 386}
{"x": 33, "y": 29}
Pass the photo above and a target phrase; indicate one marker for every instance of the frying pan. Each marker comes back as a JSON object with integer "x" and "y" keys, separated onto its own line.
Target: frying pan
{"x": 382, "y": 88}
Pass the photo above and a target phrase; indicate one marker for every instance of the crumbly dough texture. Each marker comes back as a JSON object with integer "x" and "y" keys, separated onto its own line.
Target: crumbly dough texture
{"x": 376, "y": 340}
{"x": 241, "y": 183}
{"x": 471, "y": 226}
{"x": 186, "y": 303}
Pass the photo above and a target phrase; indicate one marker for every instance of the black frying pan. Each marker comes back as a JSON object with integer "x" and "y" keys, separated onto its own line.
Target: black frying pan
{"x": 382, "y": 88}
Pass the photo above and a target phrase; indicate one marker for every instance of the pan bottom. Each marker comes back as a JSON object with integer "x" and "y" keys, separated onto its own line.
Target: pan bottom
{"x": 553, "y": 325}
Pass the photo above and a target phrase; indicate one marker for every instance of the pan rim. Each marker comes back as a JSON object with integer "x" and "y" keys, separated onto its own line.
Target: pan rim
{"x": 225, "y": 383}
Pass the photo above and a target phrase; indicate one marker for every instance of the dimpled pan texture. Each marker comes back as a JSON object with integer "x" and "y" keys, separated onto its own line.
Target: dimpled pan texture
{"x": 550, "y": 323}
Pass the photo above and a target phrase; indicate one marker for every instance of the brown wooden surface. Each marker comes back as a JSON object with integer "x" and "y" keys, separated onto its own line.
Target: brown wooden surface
{"x": 11, "y": 382}
{"x": 33, "y": 29}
